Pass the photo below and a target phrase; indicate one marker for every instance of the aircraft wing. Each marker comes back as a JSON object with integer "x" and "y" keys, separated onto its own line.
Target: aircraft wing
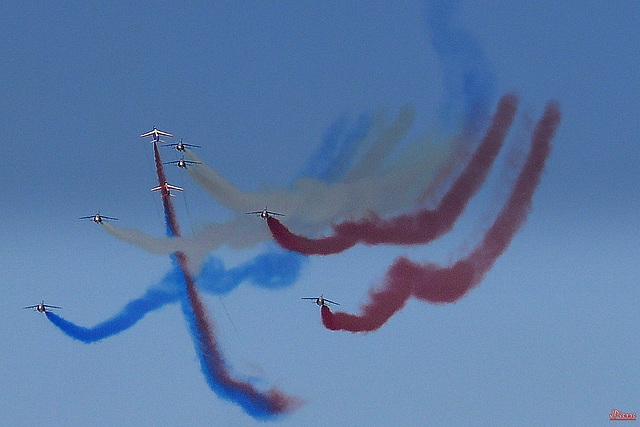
{"x": 275, "y": 213}
{"x": 313, "y": 298}
{"x": 157, "y": 188}
{"x": 51, "y": 306}
{"x": 254, "y": 213}
{"x": 87, "y": 217}
{"x": 173, "y": 187}
{"x": 108, "y": 217}
{"x": 31, "y": 306}
{"x": 184, "y": 144}
{"x": 171, "y": 163}
{"x": 154, "y": 133}
{"x": 332, "y": 302}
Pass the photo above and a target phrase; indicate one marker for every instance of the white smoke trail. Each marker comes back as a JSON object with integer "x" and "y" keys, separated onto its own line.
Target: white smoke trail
{"x": 373, "y": 183}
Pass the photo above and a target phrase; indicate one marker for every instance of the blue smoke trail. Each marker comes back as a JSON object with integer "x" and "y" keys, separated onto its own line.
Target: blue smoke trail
{"x": 132, "y": 312}
{"x": 339, "y": 146}
{"x": 164, "y": 292}
{"x": 271, "y": 270}
{"x": 260, "y": 405}
{"x": 263, "y": 406}
{"x": 468, "y": 78}
{"x": 325, "y": 154}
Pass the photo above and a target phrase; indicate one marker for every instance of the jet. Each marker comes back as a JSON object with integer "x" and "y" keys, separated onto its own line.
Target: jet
{"x": 182, "y": 163}
{"x": 181, "y": 145}
{"x": 168, "y": 188}
{"x": 97, "y": 218}
{"x": 156, "y": 134}
{"x": 321, "y": 300}
{"x": 264, "y": 214}
{"x": 42, "y": 307}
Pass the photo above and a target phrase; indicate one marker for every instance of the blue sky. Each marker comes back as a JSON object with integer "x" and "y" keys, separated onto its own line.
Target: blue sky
{"x": 548, "y": 337}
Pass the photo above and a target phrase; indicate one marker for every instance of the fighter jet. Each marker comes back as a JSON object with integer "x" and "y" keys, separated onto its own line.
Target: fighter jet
{"x": 97, "y": 218}
{"x": 321, "y": 300}
{"x": 182, "y": 163}
{"x": 264, "y": 214}
{"x": 155, "y": 133}
{"x": 166, "y": 186}
{"x": 42, "y": 307}
{"x": 181, "y": 145}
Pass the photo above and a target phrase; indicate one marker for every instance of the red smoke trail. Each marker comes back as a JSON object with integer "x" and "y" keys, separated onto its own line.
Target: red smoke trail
{"x": 256, "y": 403}
{"x": 422, "y": 226}
{"x": 169, "y": 212}
{"x": 436, "y": 284}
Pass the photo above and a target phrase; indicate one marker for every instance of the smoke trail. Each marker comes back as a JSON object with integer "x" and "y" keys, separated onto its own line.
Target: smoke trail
{"x": 132, "y": 312}
{"x": 164, "y": 292}
{"x": 254, "y": 402}
{"x": 468, "y": 78}
{"x": 313, "y": 203}
{"x": 376, "y": 149}
{"x": 338, "y": 148}
{"x": 422, "y": 226}
{"x": 173, "y": 229}
{"x": 448, "y": 284}
{"x": 239, "y": 233}
{"x": 388, "y": 138}
{"x": 270, "y": 270}
{"x": 257, "y": 404}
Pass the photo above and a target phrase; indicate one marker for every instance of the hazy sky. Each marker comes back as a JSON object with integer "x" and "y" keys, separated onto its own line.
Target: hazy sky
{"x": 548, "y": 337}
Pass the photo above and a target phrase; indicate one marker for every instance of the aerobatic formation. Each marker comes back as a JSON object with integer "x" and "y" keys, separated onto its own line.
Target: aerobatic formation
{"x": 368, "y": 184}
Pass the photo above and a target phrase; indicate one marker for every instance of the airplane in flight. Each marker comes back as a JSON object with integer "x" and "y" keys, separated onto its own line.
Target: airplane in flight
{"x": 264, "y": 214}
{"x": 168, "y": 188}
{"x": 42, "y": 307}
{"x": 180, "y": 146}
{"x": 182, "y": 163}
{"x": 321, "y": 301}
{"x": 155, "y": 133}
{"x": 97, "y": 218}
